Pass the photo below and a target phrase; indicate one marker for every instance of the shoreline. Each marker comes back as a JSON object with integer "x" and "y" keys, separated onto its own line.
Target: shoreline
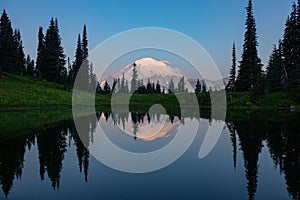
{"x": 24, "y": 108}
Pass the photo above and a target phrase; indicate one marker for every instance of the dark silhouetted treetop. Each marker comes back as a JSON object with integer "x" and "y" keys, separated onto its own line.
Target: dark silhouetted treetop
{"x": 275, "y": 71}
{"x": 231, "y": 83}
{"x": 250, "y": 69}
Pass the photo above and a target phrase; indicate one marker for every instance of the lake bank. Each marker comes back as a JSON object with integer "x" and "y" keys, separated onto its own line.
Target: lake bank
{"x": 19, "y": 93}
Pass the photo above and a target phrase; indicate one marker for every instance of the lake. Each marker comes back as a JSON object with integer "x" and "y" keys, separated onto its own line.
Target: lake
{"x": 42, "y": 156}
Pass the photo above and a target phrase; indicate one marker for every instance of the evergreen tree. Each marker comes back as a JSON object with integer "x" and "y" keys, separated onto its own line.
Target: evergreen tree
{"x": 134, "y": 80}
{"x": 93, "y": 78}
{"x": 122, "y": 86}
{"x": 85, "y": 50}
{"x": 86, "y": 75}
{"x": 20, "y": 56}
{"x": 171, "y": 87}
{"x": 114, "y": 86}
{"x": 29, "y": 66}
{"x": 158, "y": 89}
{"x": 250, "y": 70}
{"x": 78, "y": 58}
{"x": 118, "y": 85}
{"x": 106, "y": 88}
{"x": 231, "y": 82}
{"x": 40, "y": 67}
{"x": 54, "y": 55}
{"x": 153, "y": 88}
{"x": 204, "y": 88}
{"x": 70, "y": 77}
{"x": 181, "y": 85}
{"x": 12, "y": 58}
{"x": 150, "y": 89}
{"x": 198, "y": 87}
{"x": 7, "y": 51}
{"x": 126, "y": 87}
{"x": 275, "y": 70}
{"x": 98, "y": 88}
{"x": 291, "y": 49}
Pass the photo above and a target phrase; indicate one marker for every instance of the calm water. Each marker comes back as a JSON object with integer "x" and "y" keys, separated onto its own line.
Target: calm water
{"x": 256, "y": 157}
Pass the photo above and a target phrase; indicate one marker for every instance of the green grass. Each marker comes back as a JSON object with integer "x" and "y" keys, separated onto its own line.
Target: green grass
{"x": 17, "y": 91}
{"x": 19, "y": 123}
{"x": 270, "y": 100}
{"x": 25, "y": 92}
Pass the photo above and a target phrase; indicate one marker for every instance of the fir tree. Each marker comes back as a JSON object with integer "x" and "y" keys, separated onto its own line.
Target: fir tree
{"x": 40, "y": 67}
{"x": 114, "y": 85}
{"x": 85, "y": 50}
{"x": 54, "y": 55}
{"x": 20, "y": 56}
{"x": 70, "y": 77}
{"x": 85, "y": 74}
{"x": 12, "y": 57}
{"x": 204, "y": 88}
{"x": 126, "y": 87}
{"x": 275, "y": 70}
{"x": 98, "y": 88}
{"x": 106, "y": 88}
{"x": 118, "y": 85}
{"x": 134, "y": 80}
{"x": 231, "y": 83}
{"x": 250, "y": 70}
{"x": 78, "y": 58}
{"x": 122, "y": 86}
{"x": 29, "y": 66}
{"x": 171, "y": 87}
{"x": 150, "y": 89}
{"x": 157, "y": 88}
{"x": 181, "y": 85}
{"x": 291, "y": 49}
{"x": 198, "y": 87}
{"x": 93, "y": 78}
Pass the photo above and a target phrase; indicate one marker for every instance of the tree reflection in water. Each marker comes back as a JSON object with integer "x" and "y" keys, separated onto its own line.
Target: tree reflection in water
{"x": 248, "y": 132}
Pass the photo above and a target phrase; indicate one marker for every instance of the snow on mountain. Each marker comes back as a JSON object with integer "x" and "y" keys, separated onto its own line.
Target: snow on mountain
{"x": 155, "y": 70}
{"x": 162, "y": 71}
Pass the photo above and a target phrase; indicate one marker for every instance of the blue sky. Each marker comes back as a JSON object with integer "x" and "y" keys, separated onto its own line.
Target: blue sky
{"x": 215, "y": 24}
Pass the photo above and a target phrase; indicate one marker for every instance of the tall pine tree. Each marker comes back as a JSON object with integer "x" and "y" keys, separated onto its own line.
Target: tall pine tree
{"x": 6, "y": 44}
{"x": 231, "y": 83}
{"x": 250, "y": 70}
{"x": 40, "y": 66}
{"x": 29, "y": 66}
{"x": 19, "y": 54}
{"x": 85, "y": 50}
{"x": 198, "y": 87}
{"x": 78, "y": 59}
{"x": 82, "y": 63}
{"x": 291, "y": 49}
{"x": 12, "y": 58}
{"x": 275, "y": 71}
{"x": 171, "y": 87}
{"x": 134, "y": 80}
{"x": 54, "y": 58}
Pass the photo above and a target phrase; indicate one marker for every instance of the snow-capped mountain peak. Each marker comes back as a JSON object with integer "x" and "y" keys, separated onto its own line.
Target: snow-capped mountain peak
{"x": 155, "y": 70}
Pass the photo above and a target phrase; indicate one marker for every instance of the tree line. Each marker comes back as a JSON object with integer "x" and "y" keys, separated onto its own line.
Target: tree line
{"x": 283, "y": 70}
{"x": 51, "y": 61}
{"x": 137, "y": 86}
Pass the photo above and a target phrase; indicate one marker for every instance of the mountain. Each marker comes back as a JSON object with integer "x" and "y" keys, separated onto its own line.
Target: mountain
{"x": 162, "y": 71}
{"x": 155, "y": 70}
